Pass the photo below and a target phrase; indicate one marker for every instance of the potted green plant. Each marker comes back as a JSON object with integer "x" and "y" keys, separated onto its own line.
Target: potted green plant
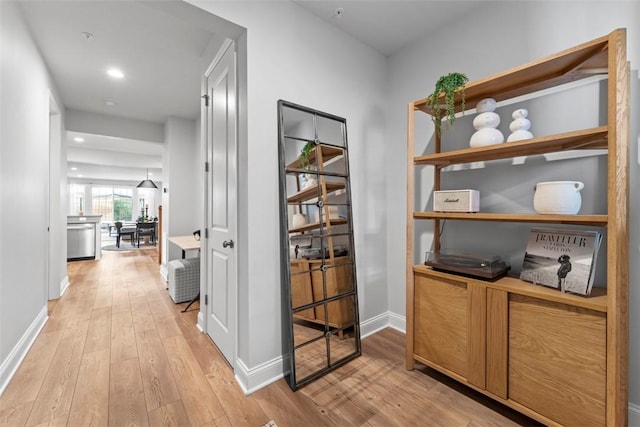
{"x": 305, "y": 155}
{"x": 305, "y": 163}
{"x": 448, "y": 84}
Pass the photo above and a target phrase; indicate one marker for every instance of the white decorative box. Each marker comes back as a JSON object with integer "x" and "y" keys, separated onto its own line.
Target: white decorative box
{"x": 456, "y": 201}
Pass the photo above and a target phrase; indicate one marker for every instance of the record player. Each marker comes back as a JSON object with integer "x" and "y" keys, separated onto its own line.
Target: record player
{"x": 485, "y": 267}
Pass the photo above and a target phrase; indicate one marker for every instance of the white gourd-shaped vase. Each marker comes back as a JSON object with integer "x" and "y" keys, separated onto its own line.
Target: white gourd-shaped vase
{"x": 519, "y": 126}
{"x": 558, "y": 197}
{"x": 485, "y": 124}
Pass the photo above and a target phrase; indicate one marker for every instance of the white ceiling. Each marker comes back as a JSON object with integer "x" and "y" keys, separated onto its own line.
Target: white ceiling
{"x": 163, "y": 47}
{"x": 163, "y": 57}
{"x": 389, "y": 25}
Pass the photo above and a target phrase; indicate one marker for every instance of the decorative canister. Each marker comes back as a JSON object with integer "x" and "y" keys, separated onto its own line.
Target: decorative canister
{"x": 558, "y": 197}
{"x": 309, "y": 181}
{"x": 299, "y": 220}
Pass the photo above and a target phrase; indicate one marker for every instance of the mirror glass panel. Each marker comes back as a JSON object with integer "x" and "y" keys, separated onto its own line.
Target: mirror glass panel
{"x": 317, "y": 250}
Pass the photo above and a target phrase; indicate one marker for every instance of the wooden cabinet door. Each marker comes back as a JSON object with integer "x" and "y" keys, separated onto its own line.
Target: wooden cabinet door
{"x": 301, "y": 288}
{"x": 557, "y": 360}
{"x": 338, "y": 281}
{"x": 442, "y": 323}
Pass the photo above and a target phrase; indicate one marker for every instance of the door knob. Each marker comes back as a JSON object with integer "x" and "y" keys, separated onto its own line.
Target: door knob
{"x": 227, "y": 244}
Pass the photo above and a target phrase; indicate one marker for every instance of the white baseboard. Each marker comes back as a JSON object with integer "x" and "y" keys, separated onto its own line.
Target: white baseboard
{"x": 384, "y": 320}
{"x": 373, "y": 325}
{"x": 164, "y": 272}
{"x": 634, "y": 415}
{"x": 64, "y": 285}
{"x": 254, "y": 379}
{"x": 10, "y": 365}
{"x": 200, "y": 324}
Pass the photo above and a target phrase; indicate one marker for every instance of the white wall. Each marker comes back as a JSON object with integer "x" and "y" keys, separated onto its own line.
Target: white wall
{"x": 103, "y": 124}
{"x": 294, "y": 56}
{"x": 24, "y": 176}
{"x": 534, "y": 29}
{"x": 182, "y": 203}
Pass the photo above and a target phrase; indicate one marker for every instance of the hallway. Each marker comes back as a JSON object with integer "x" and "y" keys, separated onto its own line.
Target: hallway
{"x": 117, "y": 351}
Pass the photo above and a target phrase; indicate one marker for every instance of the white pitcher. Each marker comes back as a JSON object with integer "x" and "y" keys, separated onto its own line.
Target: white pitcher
{"x": 558, "y": 197}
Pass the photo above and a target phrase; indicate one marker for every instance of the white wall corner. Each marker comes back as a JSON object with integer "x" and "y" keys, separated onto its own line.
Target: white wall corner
{"x": 10, "y": 365}
{"x": 382, "y": 321}
{"x": 253, "y": 379}
{"x": 634, "y": 415}
{"x": 64, "y": 285}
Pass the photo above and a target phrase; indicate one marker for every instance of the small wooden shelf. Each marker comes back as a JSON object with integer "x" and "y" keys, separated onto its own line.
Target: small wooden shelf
{"x": 595, "y": 138}
{"x": 312, "y": 192}
{"x": 586, "y": 60}
{"x": 594, "y": 220}
{"x": 328, "y": 153}
{"x": 316, "y": 225}
{"x": 597, "y": 301}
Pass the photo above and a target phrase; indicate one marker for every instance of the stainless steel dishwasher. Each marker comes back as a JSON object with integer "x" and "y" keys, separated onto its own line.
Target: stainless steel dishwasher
{"x": 81, "y": 241}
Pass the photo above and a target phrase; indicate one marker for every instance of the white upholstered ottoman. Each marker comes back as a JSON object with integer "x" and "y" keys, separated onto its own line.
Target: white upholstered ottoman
{"x": 184, "y": 279}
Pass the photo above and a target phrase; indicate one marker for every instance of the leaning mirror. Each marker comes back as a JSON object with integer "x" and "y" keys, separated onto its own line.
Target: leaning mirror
{"x": 317, "y": 250}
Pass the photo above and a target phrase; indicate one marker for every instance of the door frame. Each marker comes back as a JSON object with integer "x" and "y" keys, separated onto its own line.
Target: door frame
{"x": 54, "y": 283}
{"x": 204, "y": 314}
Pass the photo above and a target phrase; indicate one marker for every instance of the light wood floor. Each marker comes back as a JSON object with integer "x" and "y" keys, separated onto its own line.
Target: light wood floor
{"x": 116, "y": 351}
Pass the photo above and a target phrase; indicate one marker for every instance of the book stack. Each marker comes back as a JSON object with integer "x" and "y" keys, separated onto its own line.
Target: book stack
{"x": 561, "y": 259}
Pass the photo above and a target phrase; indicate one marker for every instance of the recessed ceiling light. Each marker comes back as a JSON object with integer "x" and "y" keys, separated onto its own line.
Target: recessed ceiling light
{"x": 74, "y": 168}
{"x": 78, "y": 139}
{"x": 115, "y": 73}
{"x": 109, "y": 103}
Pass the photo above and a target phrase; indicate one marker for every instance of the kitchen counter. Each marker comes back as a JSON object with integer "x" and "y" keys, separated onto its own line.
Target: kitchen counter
{"x": 90, "y": 220}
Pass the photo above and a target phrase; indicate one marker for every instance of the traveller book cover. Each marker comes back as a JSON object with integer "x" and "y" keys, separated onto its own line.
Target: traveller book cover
{"x": 561, "y": 259}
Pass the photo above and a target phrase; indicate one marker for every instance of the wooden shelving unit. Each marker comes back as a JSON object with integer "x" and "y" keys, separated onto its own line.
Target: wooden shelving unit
{"x": 559, "y": 358}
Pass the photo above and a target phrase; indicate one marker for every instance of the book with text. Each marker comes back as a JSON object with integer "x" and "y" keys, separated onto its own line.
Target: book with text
{"x": 561, "y": 259}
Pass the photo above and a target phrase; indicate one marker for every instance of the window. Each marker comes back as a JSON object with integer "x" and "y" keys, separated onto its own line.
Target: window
{"x": 114, "y": 204}
{"x": 76, "y": 199}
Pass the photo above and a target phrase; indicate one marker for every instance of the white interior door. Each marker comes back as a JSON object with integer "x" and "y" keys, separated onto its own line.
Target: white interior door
{"x": 221, "y": 309}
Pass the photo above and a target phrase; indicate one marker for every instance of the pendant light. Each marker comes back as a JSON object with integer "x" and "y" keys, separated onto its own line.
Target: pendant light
{"x": 147, "y": 183}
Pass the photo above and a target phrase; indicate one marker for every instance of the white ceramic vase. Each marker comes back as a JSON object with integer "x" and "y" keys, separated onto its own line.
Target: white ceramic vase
{"x": 485, "y": 124}
{"x": 520, "y": 126}
{"x": 558, "y": 197}
{"x": 299, "y": 220}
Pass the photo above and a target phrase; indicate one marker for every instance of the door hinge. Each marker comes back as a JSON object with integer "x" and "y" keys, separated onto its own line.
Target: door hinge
{"x": 206, "y": 233}
{"x": 206, "y": 166}
{"x": 206, "y": 299}
{"x": 206, "y": 100}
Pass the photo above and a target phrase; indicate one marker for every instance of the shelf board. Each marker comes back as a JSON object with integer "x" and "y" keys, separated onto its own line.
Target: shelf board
{"x": 313, "y": 192}
{"x": 594, "y": 138}
{"x": 564, "y": 67}
{"x": 594, "y": 220}
{"x": 328, "y": 153}
{"x": 596, "y": 301}
{"x": 315, "y": 225}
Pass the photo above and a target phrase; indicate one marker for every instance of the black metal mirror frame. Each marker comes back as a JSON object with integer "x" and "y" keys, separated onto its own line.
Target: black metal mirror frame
{"x": 330, "y": 334}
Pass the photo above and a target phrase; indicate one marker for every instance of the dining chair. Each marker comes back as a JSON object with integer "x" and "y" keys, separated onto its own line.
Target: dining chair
{"x": 146, "y": 229}
{"x": 124, "y": 231}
